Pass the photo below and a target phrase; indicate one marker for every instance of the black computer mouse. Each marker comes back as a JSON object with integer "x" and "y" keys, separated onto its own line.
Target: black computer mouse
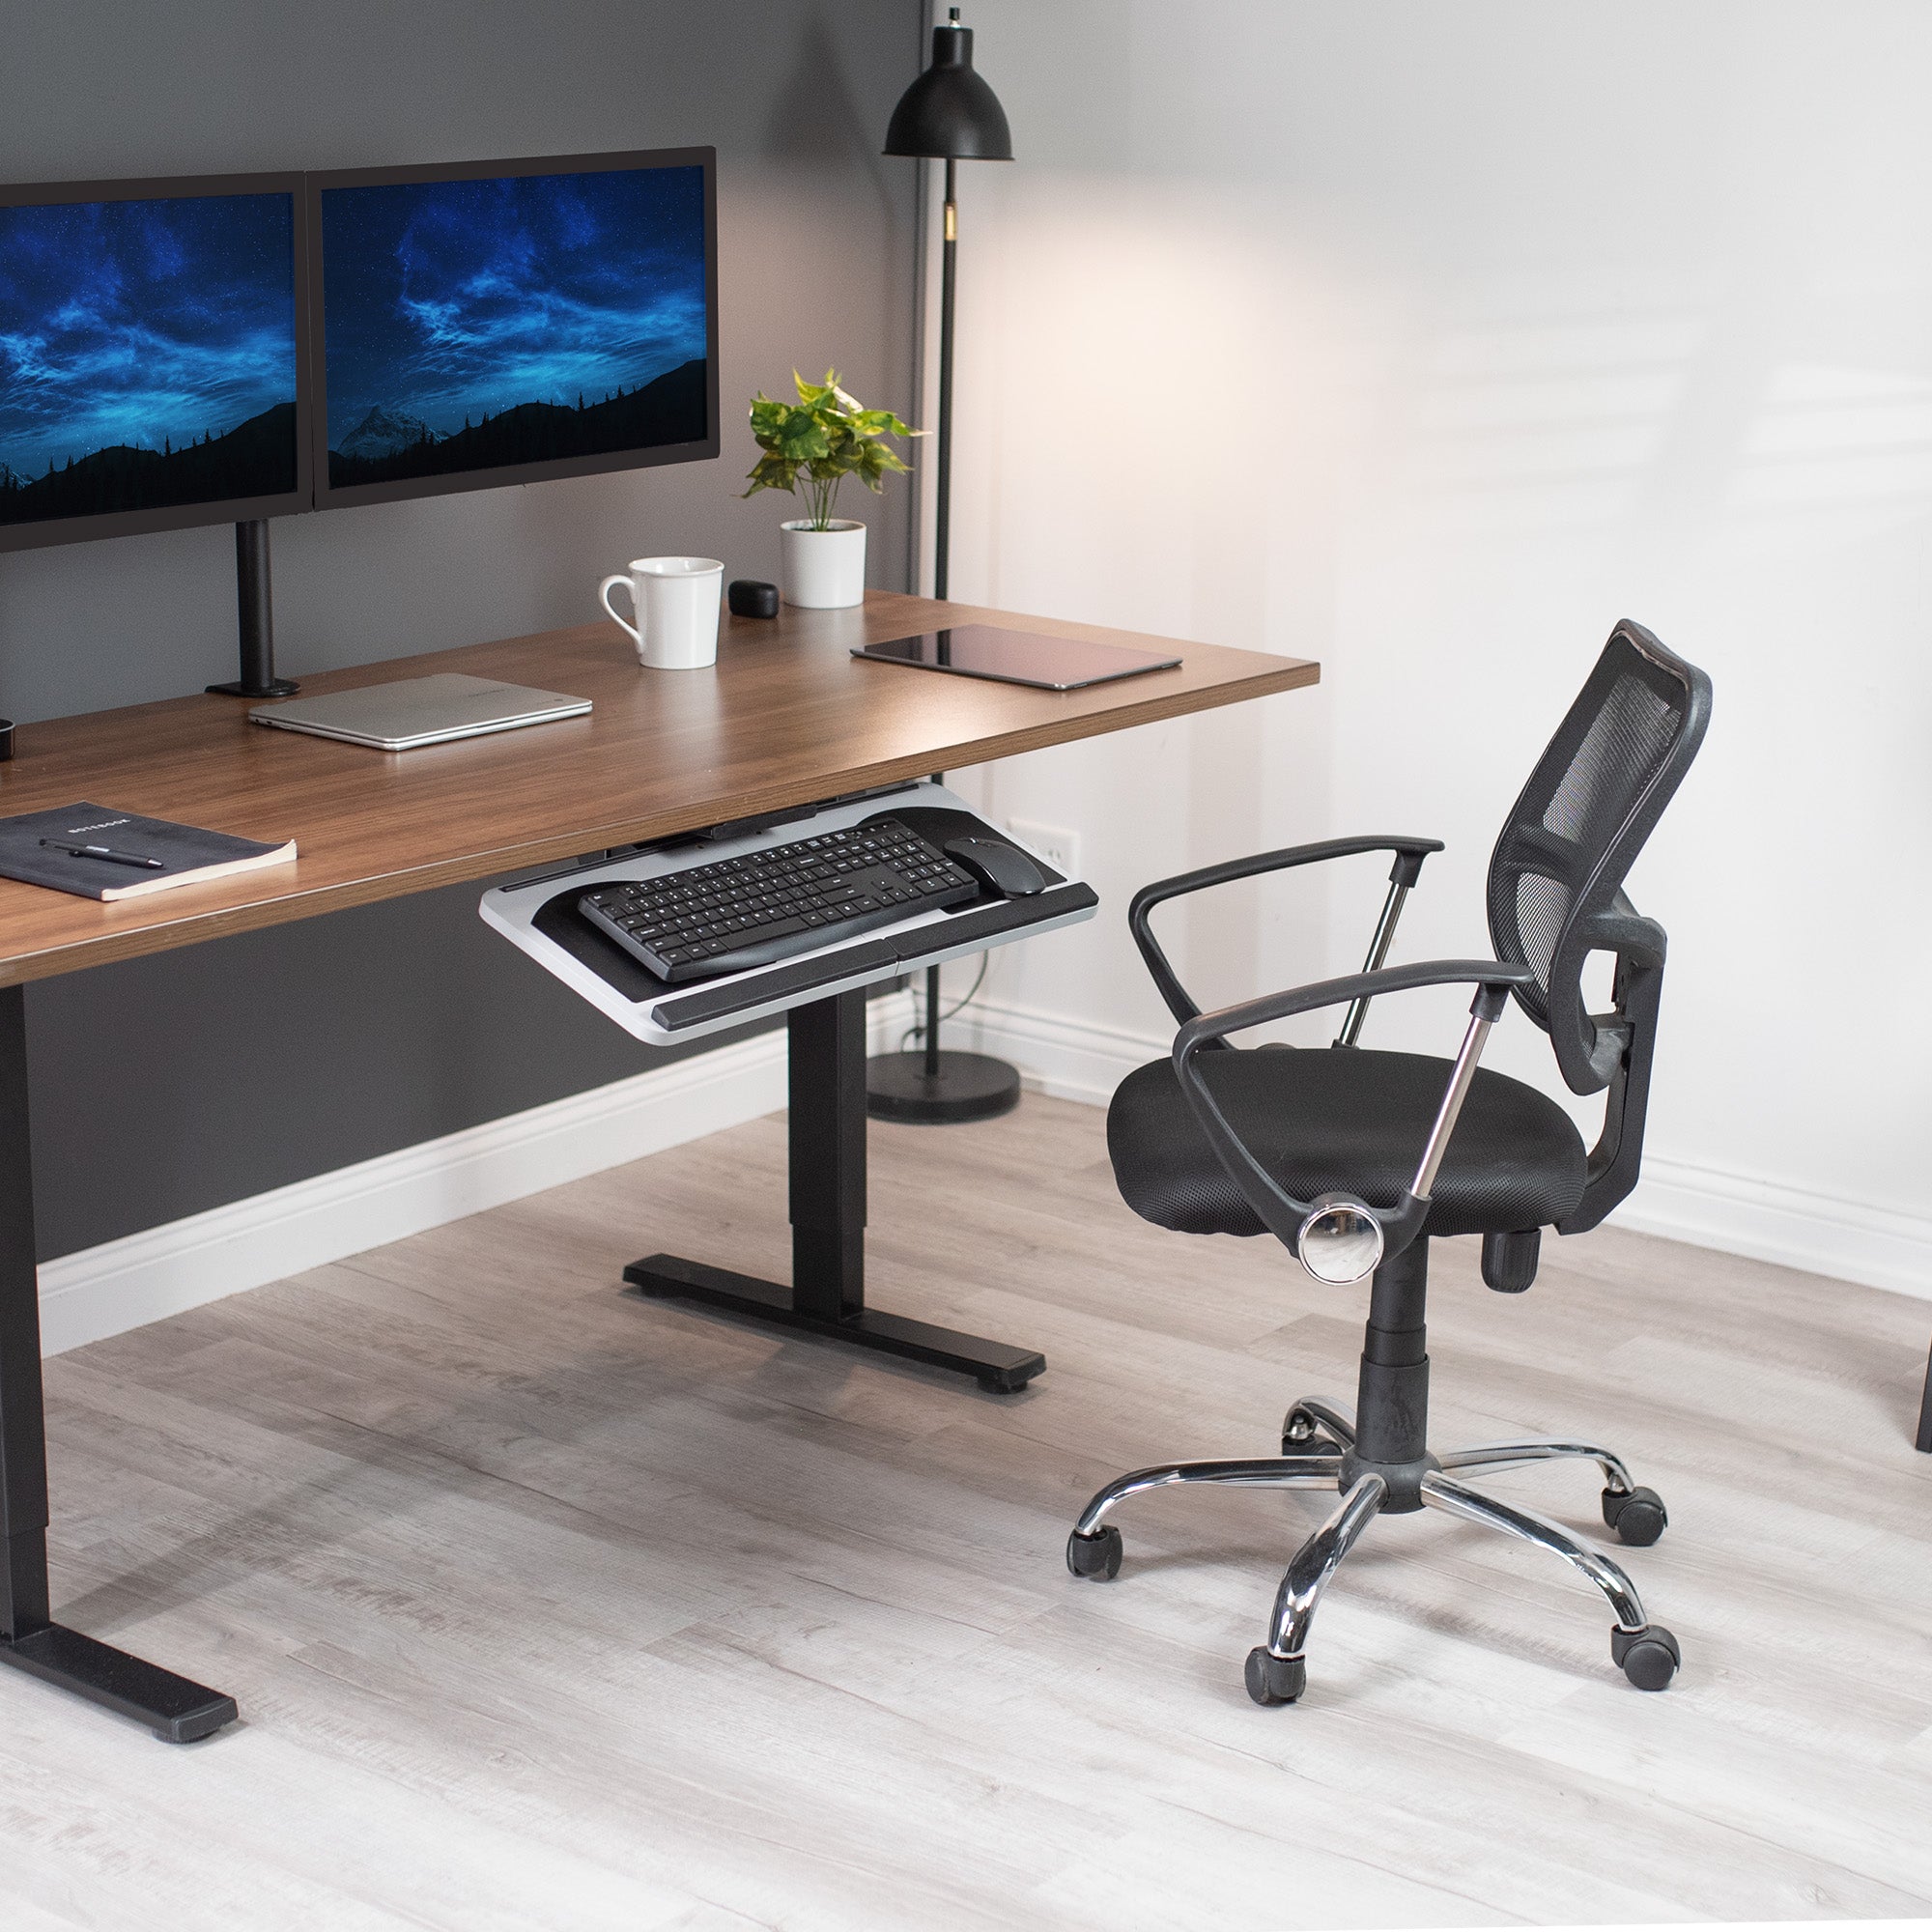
{"x": 1005, "y": 867}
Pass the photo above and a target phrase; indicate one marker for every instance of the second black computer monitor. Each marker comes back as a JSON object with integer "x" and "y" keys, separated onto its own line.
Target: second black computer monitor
{"x": 508, "y": 322}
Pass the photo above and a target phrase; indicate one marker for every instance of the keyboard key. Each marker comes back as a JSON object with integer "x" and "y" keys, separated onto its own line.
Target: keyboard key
{"x": 731, "y": 915}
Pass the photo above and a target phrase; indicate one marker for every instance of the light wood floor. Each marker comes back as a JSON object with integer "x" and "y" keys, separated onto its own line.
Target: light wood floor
{"x": 549, "y": 1609}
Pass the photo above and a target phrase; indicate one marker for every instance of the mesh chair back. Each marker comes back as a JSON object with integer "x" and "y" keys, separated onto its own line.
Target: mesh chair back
{"x": 1583, "y": 818}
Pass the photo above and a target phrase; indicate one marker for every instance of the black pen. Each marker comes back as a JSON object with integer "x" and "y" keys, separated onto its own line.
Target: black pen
{"x": 108, "y": 853}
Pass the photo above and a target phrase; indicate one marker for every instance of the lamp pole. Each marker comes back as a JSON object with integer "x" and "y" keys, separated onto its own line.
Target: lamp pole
{"x": 948, "y": 265}
{"x": 942, "y": 540}
{"x": 949, "y": 114}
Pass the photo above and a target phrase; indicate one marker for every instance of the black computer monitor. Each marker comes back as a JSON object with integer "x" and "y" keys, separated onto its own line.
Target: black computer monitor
{"x": 508, "y": 322}
{"x": 152, "y": 356}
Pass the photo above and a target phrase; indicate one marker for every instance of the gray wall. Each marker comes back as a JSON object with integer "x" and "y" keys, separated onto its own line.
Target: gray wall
{"x": 203, "y": 1076}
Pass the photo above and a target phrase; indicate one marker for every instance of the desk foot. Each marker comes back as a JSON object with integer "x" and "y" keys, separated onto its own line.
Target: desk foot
{"x": 175, "y": 1709}
{"x": 1926, "y": 1413}
{"x": 997, "y": 1367}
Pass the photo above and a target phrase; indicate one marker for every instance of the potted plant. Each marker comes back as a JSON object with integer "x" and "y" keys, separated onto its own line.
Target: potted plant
{"x": 811, "y": 447}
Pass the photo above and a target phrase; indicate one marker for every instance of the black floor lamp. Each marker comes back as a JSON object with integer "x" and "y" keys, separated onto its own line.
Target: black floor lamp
{"x": 949, "y": 114}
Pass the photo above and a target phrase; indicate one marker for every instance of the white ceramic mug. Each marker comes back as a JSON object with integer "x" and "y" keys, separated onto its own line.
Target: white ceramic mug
{"x": 675, "y": 599}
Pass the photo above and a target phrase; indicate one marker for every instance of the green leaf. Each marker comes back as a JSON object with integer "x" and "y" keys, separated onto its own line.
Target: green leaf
{"x": 823, "y": 437}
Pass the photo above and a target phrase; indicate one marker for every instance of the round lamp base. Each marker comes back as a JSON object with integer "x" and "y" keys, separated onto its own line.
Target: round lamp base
{"x": 968, "y": 1087}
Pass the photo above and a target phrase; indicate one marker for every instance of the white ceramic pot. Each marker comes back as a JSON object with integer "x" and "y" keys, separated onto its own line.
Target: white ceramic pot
{"x": 822, "y": 570}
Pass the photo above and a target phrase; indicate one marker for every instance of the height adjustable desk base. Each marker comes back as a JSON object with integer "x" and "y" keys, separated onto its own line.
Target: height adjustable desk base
{"x": 171, "y": 1707}
{"x": 997, "y": 1367}
{"x": 827, "y": 1132}
{"x": 176, "y": 1709}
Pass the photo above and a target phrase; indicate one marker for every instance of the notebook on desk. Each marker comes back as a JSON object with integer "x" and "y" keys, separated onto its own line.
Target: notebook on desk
{"x": 98, "y": 853}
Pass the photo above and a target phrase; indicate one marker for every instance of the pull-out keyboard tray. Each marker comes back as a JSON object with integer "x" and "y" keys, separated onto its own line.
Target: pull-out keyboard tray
{"x": 541, "y": 916}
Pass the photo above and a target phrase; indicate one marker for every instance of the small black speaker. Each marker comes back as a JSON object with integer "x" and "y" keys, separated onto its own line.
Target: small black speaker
{"x": 749, "y": 598}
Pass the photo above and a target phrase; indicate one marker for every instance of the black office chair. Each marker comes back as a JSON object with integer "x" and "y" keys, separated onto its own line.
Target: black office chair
{"x": 1355, "y": 1159}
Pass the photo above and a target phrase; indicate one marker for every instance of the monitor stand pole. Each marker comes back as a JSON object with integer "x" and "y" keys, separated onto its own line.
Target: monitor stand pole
{"x": 255, "y": 613}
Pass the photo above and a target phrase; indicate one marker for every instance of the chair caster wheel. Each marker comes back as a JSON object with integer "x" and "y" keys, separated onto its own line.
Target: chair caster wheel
{"x": 1276, "y": 1680}
{"x": 1638, "y": 1515}
{"x": 1649, "y": 1657}
{"x": 1303, "y": 1434}
{"x": 1097, "y": 1556}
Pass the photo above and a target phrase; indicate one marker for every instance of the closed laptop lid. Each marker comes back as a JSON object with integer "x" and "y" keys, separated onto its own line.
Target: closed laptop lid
{"x": 420, "y": 710}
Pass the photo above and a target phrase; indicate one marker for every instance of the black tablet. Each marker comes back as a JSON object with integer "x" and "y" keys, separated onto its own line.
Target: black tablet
{"x": 1017, "y": 657}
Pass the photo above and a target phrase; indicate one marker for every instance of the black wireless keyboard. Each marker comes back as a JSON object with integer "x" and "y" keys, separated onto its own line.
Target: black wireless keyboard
{"x": 766, "y": 906}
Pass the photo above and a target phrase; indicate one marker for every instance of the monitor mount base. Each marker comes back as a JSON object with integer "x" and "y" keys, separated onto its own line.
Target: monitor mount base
{"x": 255, "y": 616}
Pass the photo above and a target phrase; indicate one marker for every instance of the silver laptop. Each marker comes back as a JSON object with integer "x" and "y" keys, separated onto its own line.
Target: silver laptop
{"x": 420, "y": 711}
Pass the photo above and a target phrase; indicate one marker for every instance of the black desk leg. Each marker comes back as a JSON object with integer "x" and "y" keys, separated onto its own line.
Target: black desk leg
{"x": 1925, "y": 1412}
{"x": 828, "y": 1222}
{"x": 170, "y": 1706}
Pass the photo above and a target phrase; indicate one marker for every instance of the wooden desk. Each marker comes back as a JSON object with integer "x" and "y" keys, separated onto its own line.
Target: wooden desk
{"x": 786, "y": 716}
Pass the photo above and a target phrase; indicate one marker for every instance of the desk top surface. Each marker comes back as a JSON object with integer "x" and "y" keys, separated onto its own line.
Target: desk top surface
{"x": 785, "y": 718}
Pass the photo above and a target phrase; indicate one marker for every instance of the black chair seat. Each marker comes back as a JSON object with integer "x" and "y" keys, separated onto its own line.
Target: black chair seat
{"x": 1338, "y": 1119}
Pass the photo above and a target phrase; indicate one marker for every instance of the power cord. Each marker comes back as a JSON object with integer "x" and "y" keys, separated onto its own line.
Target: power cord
{"x": 917, "y": 1031}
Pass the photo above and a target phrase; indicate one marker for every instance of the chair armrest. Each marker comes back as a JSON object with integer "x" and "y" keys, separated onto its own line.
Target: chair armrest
{"x": 1280, "y": 1213}
{"x": 1408, "y": 868}
{"x": 1623, "y": 1042}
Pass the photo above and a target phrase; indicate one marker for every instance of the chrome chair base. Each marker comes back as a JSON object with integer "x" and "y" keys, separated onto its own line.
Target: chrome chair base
{"x": 1318, "y": 1453}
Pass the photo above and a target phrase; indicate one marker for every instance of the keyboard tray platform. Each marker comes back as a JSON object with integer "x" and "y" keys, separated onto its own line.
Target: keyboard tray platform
{"x": 540, "y": 915}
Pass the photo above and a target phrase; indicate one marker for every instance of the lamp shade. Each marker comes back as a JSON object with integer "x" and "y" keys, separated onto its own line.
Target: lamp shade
{"x": 948, "y": 113}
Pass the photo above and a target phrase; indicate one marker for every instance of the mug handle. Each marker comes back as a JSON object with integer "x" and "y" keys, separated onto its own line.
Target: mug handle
{"x": 604, "y": 598}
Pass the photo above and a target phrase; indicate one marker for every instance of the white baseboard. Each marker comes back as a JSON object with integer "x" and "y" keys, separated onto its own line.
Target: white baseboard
{"x": 1704, "y": 1206}
{"x": 121, "y": 1284}
{"x": 1071, "y": 1059}
{"x": 1821, "y": 1233}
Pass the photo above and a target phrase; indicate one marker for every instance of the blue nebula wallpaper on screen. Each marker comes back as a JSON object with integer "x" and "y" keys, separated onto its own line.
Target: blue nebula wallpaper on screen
{"x": 473, "y": 324}
{"x": 147, "y": 354}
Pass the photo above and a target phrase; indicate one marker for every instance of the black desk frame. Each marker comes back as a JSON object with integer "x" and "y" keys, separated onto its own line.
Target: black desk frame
{"x": 171, "y": 1707}
{"x": 827, "y": 1159}
{"x": 827, "y": 1298}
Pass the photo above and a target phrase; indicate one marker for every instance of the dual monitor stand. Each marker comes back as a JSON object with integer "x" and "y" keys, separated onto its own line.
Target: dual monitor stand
{"x": 255, "y": 616}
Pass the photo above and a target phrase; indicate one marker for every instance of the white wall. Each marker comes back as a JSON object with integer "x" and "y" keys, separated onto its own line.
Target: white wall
{"x": 1427, "y": 340}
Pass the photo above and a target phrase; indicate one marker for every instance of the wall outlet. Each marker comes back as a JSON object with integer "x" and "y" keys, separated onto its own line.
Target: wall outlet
{"x": 1059, "y": 847}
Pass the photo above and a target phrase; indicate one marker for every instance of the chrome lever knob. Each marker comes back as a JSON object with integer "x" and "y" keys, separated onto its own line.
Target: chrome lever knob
{"x": 1341, "y": 1240}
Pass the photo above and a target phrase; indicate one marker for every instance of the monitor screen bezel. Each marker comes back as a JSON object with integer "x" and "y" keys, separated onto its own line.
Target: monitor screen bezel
{"x": 329, "y": 498}
{"x": 216, "y": 510}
